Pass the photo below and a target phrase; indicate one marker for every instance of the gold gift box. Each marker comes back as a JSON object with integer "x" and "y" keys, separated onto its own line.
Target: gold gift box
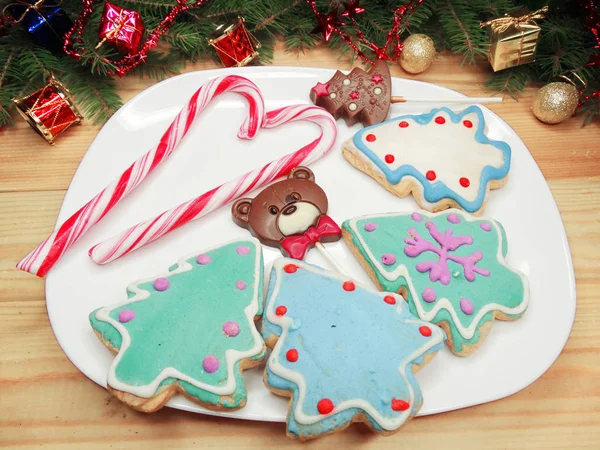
{"x": 513, "y": 47}
{"x": 514, "y": 39}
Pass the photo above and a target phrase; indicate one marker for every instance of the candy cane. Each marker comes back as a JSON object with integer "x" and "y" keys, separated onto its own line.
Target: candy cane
{"x": 152, "y": 229}
{"x": 44, "y": 256}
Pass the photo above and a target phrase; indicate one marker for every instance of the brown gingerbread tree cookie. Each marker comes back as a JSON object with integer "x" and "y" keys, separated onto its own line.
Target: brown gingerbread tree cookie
{"x": 359, "y": 96}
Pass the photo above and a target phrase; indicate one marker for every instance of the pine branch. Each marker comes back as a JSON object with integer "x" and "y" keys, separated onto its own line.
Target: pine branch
{"x": 462, "y": 31}
{"x": 511, "y": 81}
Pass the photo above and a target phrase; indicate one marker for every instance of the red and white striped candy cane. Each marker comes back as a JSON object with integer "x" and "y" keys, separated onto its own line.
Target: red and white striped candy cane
{"x": 152, "y": 229}
{"x": 44, "y": 256}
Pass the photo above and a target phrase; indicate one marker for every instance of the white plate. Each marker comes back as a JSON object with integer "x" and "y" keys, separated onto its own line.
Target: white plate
{"x": 514, "y": 355}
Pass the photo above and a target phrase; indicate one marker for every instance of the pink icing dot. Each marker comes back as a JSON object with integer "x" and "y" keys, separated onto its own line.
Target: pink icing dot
{"x": 243, "y": 250}
{"x": 231, "y": 329}
{"x": 161, "y": 284}
{"x": 388, "y": 259}
{"x": 203, "y": 259}
{"x": 240, "y": 285}
{"x": 429, "y": 295}
{"x": 416, "y": 217}
{"x": 210, "y": 364}
{"x": 126, "y": 315}
{"x": 453, "y": 218}
{"x": 370, "y": 226}
{"x": 485, "y": 226}
{"x": 466, "y": 306}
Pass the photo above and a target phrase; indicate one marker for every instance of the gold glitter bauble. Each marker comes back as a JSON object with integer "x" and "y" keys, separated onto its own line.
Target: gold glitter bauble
{"x": 555, "y": 102}
{"x": 417, "y": 54}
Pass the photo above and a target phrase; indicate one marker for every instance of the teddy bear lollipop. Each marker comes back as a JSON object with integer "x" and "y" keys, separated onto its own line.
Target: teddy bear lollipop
{"x": 290, "y": 214}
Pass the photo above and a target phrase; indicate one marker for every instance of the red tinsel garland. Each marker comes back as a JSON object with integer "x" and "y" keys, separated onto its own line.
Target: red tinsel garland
{"x": 329, "y": 24}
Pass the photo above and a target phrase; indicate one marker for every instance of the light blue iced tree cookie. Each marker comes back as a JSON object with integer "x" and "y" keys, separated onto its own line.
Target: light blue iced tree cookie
{"x": 343, "y": 353}
{"x": 450, "y": 267}
{"x": 190, "y": 330}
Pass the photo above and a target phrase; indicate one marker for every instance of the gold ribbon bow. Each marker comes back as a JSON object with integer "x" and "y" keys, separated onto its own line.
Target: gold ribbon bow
{"x": 502, "y": 24}
{"x": 38, "y": 6}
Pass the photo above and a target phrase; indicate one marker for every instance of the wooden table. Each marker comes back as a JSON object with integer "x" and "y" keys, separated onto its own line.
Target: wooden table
{"x": 45, "y": 401}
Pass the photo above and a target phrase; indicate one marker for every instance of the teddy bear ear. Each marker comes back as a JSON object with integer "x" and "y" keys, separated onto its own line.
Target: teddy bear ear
{"x": 241, "y": 211}
{"x": 301, "y": 173}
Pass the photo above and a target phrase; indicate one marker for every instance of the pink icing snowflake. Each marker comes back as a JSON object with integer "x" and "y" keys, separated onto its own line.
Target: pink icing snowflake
{"x": 438, "y": 270}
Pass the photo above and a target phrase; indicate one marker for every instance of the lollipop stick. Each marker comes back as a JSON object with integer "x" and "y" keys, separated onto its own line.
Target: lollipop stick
{"x": 330, "y": 259}
{"x": 468, "y": 100}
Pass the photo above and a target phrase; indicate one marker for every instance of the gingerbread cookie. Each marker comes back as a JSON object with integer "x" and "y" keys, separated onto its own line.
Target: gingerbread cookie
{"x": 190, "y": 330}
{"x": 343, "y": 353}
{"x": 359, "y": 96}
{"x": 450, "y": 266}
{"x": 443, "y": 158}
{"x": 290, "y": 214}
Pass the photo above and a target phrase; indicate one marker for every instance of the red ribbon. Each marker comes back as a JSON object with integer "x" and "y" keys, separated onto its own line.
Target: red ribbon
{"x": 297, "y": 246}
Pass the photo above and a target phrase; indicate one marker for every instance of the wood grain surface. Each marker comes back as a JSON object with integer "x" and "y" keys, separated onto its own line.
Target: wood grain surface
{"x": 46, "y": 402}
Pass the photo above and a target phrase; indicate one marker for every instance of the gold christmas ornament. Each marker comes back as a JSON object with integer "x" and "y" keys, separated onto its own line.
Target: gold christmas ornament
{"x": 555, "y": 102}
{"x": 418, "y": 52}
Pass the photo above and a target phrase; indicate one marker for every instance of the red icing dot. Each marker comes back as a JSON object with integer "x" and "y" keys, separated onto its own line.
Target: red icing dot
{"x": 290, "y": 268}
{"x": 425, "y": 331}
{"x": 468, "y": 123}
{"x": 403, "y": 124}
{"x": 349, "y": 286}
{"x": 389, "y": 299}
{"x": 440, "y": 120}
{"x": 371, "y": 138}
{"x": 389, "y": 158}
{"x": 464, "y": 182}
{"x": 431, "y": 175}
{"x": 280, "y": 310}
{"x": 292, "y": 355}
{"x": 399, "y": 405}
{"x": 325, "y": 406}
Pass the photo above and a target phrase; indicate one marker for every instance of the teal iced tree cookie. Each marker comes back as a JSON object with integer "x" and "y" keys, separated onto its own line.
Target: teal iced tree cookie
{"x": 188, "y": 331}
{"x": 343, "y": 353}
{"x": 450, "y": 266}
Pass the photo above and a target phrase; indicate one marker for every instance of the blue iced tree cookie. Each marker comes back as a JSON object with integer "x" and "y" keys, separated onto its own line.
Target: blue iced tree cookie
{"x": 450, "y": 266}
{"x": 190, "y": 330}
{"x": 343, "y": 353}
{"x": 444, "y": 158}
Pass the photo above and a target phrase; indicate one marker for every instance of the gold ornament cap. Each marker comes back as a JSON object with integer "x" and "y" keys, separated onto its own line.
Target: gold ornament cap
{"x": 418, "y": 53}
{"x": 555, "y": 102}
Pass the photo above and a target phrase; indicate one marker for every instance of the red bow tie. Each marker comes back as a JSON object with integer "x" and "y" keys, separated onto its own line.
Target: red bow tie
{"x": 297, "y": 246}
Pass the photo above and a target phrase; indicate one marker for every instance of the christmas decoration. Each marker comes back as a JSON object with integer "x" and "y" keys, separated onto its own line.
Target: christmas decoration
{"x": 44, "y": 20}
{"x": 121, "y": 27}
{"x": 74, "y": 45}
{"x": 49, "y": 110}
{"x": 329, "y": 24}
{"x": 234, "y": 44}
{"x": 513, "y": 40}
{"x": 567, "y": 42}
{"x": 417, "y": 54}
{"x": 352, "y": 9}
{"x": 555, "y": 102}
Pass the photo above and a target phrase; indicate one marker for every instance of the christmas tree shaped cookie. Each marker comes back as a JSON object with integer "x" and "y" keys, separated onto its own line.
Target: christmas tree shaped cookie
{"x": 343, "y": 353}
{"x": 450, "y": 266}
{"x": 444, "y": 158}
{"x": 358, "y": 96}
{"x": 190, "y": 330}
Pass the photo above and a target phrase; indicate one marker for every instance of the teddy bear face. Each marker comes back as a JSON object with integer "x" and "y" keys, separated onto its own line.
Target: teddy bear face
{"x": 286, "y": 208}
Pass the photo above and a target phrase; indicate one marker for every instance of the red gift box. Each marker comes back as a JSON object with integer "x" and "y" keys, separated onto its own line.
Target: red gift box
{"x": 121, "y": 27}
